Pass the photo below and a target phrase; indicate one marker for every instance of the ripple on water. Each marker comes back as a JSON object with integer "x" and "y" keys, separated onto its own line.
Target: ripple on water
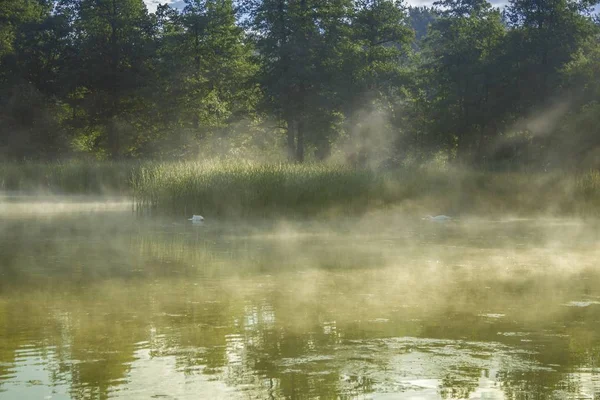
{"x": 412, "y": 365}
{"x": 516, "y": 334}
{"x": 179, "y": 343}
{"x": 493, "y": 316}
{"x": 581, "y": 303}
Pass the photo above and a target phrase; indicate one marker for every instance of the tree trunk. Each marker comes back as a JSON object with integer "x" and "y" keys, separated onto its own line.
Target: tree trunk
{"x": 196, "y": 117}
{"x": 300, "y": 144}
{"x": 303, "y": 53}
{"x": 291, "y": 136}
{"x": 114, "y": 145}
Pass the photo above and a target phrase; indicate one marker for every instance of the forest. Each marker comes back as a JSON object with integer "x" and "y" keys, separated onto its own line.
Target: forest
{"x": 368, "y": 82}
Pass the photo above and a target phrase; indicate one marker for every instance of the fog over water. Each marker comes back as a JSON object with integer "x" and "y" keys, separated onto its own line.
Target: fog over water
{"x": 96, "y": 302}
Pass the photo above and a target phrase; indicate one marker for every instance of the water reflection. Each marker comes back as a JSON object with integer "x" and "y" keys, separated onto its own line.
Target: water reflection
{"x": 110, "y": 306}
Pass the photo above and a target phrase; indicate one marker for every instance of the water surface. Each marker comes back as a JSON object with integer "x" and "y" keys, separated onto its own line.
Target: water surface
{"x": 96, "y": 302}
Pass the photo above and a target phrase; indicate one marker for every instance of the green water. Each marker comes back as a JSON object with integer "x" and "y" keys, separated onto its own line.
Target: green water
{"x": 98, "y": 303}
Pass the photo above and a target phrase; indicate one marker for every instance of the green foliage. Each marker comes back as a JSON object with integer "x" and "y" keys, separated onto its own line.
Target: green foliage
{"x": 370, "y": 80}
{"x": 113, "y": 42}
{"x": 420, "y": 20}
{"x": 13, "y": 15}
{"x": 545, "y": 36}
{"x": 205, "y": 70}
{"x": 463, "y": 53}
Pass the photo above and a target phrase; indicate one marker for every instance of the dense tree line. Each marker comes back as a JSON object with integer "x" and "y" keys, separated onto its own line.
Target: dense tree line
{"x": 373, "y": 80}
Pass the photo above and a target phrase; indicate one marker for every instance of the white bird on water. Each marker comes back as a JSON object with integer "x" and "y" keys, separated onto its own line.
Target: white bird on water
{"x": 196, "y": 219}
{"x": 438, "y": 218}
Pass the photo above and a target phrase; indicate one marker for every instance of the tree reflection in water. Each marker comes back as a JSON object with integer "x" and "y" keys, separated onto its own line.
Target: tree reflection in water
{"x": 147, "y": 309}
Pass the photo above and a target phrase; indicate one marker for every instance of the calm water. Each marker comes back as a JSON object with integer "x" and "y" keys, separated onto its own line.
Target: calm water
{"x": 98, "y": 303}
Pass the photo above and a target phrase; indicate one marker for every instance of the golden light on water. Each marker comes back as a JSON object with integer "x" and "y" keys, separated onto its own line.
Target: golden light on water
{"x": 109, "y": 304}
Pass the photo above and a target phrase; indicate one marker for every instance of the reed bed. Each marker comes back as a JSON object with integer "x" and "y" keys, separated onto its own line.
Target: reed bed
{"x": 243, "y": 189}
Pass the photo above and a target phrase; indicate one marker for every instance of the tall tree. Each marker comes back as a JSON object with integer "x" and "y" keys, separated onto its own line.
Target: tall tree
{"x": 543, "y": 37}
{"x": 375, "y": 91}
{"x": 300, "y": 43}
{"x": 420, "y": 20}
{"x": 545, "y": 34}
{"x": 112, "y": 64}
{"x": 321, "y": 60}
{"x": 15, "y": 13}
{"x": 465, "y": 84}
{"x": 382, "y": 32}
{"x": 206, "y": 67}
{"x": 272, "y": 25}
{"x": 577, "y": 139}
{"x": 31, "y": 47}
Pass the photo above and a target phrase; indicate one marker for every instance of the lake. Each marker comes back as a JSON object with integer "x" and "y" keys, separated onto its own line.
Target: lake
{"x": 99, "y": 302}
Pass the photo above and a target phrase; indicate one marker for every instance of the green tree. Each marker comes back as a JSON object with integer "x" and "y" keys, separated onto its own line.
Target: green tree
{"x": 206, "y": 69}
{"x": 382, "y": 36}
{"x": 219, "y": 64}
{"x": 544, "y": 36}
{"x": 577, "y": 139}
{"x": 13, "y": 14}
{"x": 300, "y": 45}
{"x": 32, "y": 43}
{"x": 420, "y": 19}
{"x": 109, "y": 69}
{"x": 322, "y": 62}
{"x": 464, "y": 81}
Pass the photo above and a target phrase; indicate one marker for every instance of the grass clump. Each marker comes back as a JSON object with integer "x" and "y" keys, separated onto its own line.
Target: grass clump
{"x": 243, "y": 189}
